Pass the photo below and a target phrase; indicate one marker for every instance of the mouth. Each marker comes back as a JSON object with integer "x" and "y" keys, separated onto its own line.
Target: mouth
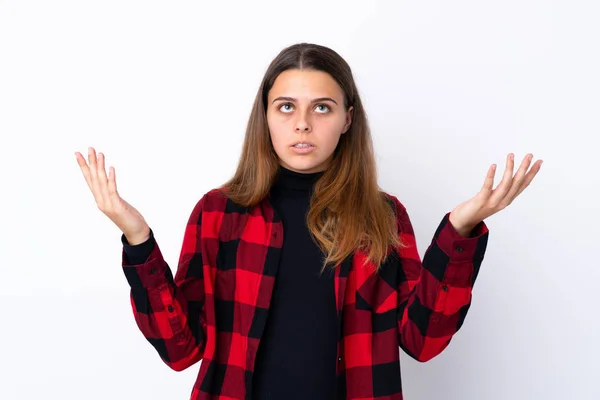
{"x": 302, "y": 145}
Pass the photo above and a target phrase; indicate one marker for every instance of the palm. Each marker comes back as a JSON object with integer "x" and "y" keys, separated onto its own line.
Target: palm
{"x": 108, "y": 200}
{"x": 489, "y": 201}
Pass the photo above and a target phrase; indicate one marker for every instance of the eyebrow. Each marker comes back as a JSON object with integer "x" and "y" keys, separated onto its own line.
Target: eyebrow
{"x": 317, "y": 100}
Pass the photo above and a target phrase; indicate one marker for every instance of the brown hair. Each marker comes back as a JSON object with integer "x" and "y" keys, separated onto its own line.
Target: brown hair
{"x": 348, "y": 211}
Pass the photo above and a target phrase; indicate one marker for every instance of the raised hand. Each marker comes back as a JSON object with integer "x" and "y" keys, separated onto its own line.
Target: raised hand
{"x": 104, "y": 189}
{"x": 489, "y": 201}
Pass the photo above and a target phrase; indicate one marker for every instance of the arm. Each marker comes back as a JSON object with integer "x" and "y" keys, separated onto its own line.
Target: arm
{"x": 169, "y": 311}
{"x": 435, "y": 294}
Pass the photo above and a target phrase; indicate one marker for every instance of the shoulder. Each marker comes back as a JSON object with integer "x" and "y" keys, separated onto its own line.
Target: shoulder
{"x": 212, "y": 200}
{"x": 403, "y": 222}
{"x": 394, "y": 202}
{"x": 216, "y": 200}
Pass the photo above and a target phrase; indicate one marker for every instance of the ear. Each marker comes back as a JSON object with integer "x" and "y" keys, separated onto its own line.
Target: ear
{"x": 348, "y": 119}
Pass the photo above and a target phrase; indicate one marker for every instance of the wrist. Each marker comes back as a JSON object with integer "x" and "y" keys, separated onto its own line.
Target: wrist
{"x": 137, "y": 238}
{"x": 463, "y": 229}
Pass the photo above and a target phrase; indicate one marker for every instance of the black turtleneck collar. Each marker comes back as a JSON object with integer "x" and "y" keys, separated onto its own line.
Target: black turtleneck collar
{"x": 288, "y": 180}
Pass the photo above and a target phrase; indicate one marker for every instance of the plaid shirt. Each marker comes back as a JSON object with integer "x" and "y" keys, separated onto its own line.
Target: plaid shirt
{"x": 215, "y": 307}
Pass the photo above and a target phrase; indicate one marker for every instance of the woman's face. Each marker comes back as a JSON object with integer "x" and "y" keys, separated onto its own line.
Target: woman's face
{"x": 306, "y": 106}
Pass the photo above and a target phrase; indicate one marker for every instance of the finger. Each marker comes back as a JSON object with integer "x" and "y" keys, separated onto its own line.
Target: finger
{"x": 488, "y": 184}
{"x": 529, "y": 177}
{"x": 102, "y": 179}
{"x": 112, "y": 182}
{"x": 89, "y": 179}
{"x": 94, "y": 174}
{"x": 518, "y": 180}
{"x": 84, "y": 168}
{"x": 112, "y": 189}
{"x": 502, "y": 189}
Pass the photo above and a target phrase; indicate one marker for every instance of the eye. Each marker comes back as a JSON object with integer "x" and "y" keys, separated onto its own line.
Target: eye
{"x": 324, "y": 105}
{"x": 324, "y": 108}
{"x": 283, "y": 105}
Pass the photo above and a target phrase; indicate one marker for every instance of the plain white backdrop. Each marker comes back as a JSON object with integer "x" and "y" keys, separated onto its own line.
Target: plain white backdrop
{"x": 164, "y": 89}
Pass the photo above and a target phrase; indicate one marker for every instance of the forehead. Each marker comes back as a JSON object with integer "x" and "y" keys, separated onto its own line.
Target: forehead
{"x": 305, "y": 83}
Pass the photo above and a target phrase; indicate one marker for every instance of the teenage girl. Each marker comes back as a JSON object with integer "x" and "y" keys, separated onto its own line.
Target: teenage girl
{"x": 299, "y": 278}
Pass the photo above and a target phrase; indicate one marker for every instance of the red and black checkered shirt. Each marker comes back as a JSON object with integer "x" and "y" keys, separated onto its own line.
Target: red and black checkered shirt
{"x": 215, "y": 307}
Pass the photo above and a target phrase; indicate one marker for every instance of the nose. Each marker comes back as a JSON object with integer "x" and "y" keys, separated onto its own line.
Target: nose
{"x": 302, "y": 123}
{"x": 302, "y": 126}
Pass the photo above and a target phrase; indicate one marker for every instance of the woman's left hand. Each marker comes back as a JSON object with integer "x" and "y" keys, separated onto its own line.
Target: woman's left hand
{"x": 487, "y": 202}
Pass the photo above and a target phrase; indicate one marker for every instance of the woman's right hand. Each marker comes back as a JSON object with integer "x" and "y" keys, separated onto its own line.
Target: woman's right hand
{"x": 104, "y": 189}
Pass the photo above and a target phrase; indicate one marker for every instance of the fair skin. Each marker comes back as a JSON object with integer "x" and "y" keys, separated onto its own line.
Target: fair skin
{"x": 323, "y": 122}
{"x": 306, "y": 105}
{"x": 489, "y": 201}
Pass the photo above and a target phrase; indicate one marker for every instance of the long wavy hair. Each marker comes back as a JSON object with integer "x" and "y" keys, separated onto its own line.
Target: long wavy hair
{"x": 348, "y": 210}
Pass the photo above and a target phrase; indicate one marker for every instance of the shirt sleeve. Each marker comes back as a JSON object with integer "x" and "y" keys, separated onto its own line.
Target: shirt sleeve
{"x": 139, "y": 253}
{"x": 169, "y": 311}
{"x": 434, "y": 294}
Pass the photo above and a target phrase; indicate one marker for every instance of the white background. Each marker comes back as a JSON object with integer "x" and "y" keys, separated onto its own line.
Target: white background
{"x": 165, "y": 89}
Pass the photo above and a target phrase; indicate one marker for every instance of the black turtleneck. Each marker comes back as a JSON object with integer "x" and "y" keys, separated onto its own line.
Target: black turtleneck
{"x": 296, "y": 357}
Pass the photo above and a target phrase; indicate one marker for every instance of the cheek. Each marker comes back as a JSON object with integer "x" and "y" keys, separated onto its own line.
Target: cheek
{"x": 330, "y": 123}
{"x": 332, "y": 129}
{"x": 276, "y": 131}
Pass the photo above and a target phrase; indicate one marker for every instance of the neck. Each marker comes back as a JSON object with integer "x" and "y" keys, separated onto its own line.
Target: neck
{"x": 288, "y": 180}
